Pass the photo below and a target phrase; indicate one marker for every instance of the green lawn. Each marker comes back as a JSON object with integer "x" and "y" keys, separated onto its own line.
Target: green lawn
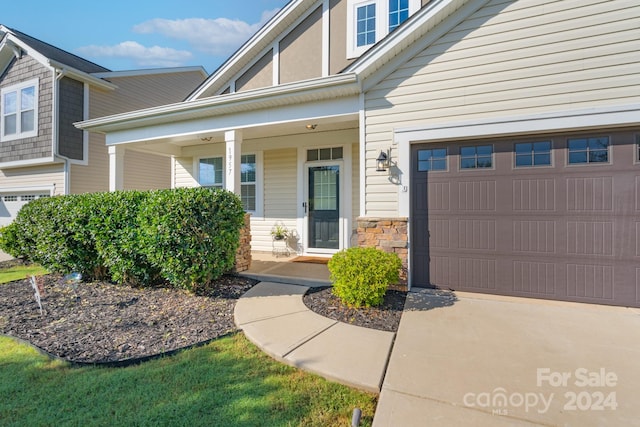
{"x": 20, "y": 272}
{"x": 226, "y": 383}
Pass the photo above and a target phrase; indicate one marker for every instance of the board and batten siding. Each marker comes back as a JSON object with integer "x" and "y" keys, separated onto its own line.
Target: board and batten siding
{"x": 509, "y": 58}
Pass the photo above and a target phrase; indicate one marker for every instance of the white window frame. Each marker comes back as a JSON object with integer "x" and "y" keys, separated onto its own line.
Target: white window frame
{"x": 17, "y": 88}
{"x": 382, "y": 23}
{"x": 197, "y": 165}
{"x": 254, "y": 183}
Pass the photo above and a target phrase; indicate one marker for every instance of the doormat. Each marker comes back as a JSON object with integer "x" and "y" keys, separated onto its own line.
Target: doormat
{"x": 311, "y": 259}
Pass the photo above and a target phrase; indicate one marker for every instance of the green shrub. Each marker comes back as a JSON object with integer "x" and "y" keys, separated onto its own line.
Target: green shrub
{"x": 184, "y": 236}
{"x": 54, "y": 233}
{"x": 116, "y": 232}
{"x": 191, "y": 234}
{"x": 10, "y": 241}
{"x": 361, "y": 276}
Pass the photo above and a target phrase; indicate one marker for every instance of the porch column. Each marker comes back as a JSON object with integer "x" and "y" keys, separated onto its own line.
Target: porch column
{"x": 233, "y": 140}
{"x": 116, "y": 167}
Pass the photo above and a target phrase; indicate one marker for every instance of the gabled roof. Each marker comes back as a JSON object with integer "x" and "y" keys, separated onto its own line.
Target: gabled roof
{"x": 260, "y": 41}
{"x": 55, "y": 54}
{"x": 427, "y": 25}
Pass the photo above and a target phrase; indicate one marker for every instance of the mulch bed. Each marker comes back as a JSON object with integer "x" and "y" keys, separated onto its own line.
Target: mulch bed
{"x": 386, "y": 317}
{"x": 104, "y": 323}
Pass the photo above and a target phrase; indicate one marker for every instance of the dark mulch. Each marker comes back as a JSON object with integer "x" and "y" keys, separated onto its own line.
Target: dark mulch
{"x": 102, "y": 322}
{"x": 385, "y": 317}
{"x": 106, "y": 323}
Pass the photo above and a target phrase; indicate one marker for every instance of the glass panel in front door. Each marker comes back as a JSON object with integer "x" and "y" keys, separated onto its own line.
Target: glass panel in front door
{"x": 324, "y": 207}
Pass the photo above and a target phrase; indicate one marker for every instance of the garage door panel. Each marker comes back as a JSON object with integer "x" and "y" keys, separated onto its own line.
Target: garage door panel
{"x": 534, "y": 278}
{"x": 566, "y": 232}
{"x": 534, "y": 195}
{"x": 534, "y": 236}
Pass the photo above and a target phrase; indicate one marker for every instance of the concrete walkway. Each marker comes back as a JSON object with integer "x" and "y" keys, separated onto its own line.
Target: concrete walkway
{"x": 462, "y": 359}
{"x": 274, "y": 317}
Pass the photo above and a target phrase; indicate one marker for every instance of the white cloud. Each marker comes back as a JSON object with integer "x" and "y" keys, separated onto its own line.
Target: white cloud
{"x": 155, "y": 56}
{"x": 219, "y": 36}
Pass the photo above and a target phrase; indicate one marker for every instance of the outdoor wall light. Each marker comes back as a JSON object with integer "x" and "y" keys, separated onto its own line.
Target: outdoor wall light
{"x": 383, "y": 160}
{"x": 311, "y": 127}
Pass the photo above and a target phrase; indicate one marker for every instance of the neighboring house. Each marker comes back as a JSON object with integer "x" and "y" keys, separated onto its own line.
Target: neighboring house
{"x": 43, "y": 91}
{"x": 510, "y": 128}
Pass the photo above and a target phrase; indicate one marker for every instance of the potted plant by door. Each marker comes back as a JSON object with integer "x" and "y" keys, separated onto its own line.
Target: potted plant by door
{"x": 279, "y": 232}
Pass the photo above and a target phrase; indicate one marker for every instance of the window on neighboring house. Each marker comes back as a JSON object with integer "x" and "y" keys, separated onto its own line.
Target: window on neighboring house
{"x": 588, "y": 150}
{"x": 369, "y": 21}
{"x": 533, "y": 154}
{"x": 248, "y": 182}
{"x": 476, "y": 157}
{"x": 19, "y": 110}
{"x": 211, "y": 172}
{"x": 433, "y": 159}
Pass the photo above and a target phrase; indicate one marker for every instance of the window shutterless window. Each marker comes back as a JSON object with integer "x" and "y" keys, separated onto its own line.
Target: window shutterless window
{"x": 533, "y": 154}
{"x": 398, "y": 13}
{"x": 248, "y": 181}
{"x": 19, "y": 107}
{"x": 476, "y": 157}
{"x": 588, "y": 150}
{"x": 210, "y": 173}
{"x": 433, "y": 159}
{"x": 369, "y": 21}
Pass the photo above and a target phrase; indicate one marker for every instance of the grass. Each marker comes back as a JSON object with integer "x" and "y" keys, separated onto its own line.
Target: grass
{"x": 20, "y": 272}
{"x": 226, "y": 383}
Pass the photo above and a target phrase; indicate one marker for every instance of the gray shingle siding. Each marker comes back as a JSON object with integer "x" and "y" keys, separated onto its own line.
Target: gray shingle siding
{"x": 23, "y": 69}
{"x": 70, "y": 104}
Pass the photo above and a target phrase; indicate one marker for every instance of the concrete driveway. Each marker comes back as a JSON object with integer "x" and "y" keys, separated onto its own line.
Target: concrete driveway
{"x": 476, "y": 360}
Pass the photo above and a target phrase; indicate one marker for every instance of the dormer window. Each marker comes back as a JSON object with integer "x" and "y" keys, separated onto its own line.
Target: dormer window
{"x": 369, "y": 21}
{"x": 19, "y": 111}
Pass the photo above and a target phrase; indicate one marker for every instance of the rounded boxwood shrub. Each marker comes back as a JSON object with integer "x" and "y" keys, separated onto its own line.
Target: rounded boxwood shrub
{"x": 191, "y": 234}
{"x": 361, "y": 276}
{"x": 116, "y": 232}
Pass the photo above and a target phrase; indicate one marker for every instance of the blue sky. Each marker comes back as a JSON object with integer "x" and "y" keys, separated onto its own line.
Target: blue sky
{"x": 126, "y": 35}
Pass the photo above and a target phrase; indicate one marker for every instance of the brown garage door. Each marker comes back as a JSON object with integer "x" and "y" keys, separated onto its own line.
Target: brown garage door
{"x": 546, "y": 217}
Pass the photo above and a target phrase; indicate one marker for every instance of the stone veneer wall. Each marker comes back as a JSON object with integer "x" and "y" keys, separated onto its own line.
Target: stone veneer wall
{"x": 243, "y": 255}
{"x": 389, "y": 235}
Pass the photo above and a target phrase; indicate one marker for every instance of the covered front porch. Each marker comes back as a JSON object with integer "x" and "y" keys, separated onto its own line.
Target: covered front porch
{"x": 292, "y": 153}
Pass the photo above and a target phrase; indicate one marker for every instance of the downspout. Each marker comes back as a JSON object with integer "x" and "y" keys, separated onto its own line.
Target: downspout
{"x": 58, "y": 75}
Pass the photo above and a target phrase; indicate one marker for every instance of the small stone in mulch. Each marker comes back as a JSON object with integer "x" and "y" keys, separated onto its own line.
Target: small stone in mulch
{"x": 385, "y": 317}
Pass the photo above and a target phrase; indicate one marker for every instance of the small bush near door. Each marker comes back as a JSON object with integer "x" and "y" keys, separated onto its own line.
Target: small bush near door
{"x": 361, "y": 276}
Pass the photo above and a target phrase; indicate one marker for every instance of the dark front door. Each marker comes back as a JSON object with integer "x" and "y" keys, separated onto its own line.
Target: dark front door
{"x": 324, "y": 207}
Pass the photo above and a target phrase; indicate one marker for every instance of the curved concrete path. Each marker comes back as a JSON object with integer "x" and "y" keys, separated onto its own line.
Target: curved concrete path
{"x": 274, "y": 317}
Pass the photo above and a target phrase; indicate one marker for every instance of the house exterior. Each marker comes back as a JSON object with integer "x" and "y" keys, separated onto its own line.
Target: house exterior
{"x": 43, "y": 91}
{"x": 510, "y": 129}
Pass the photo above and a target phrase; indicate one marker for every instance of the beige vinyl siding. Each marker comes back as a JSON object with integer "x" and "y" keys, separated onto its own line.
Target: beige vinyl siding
{"x": 280, "y": 197}
{"x": 37, "y": 176}
{"x": 143, "y": 171}
{"x": 509, "y": 58}
{"x": 94, "y": 176}
{"x": 138, "y": 92}
{"x": 184, "y": 175}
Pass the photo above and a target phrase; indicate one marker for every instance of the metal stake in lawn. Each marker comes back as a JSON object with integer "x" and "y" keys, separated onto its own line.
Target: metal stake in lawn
{"x": 36, "y": 290}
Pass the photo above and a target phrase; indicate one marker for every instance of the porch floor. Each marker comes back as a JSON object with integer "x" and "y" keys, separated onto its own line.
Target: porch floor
{"x": 282, "y": 269}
